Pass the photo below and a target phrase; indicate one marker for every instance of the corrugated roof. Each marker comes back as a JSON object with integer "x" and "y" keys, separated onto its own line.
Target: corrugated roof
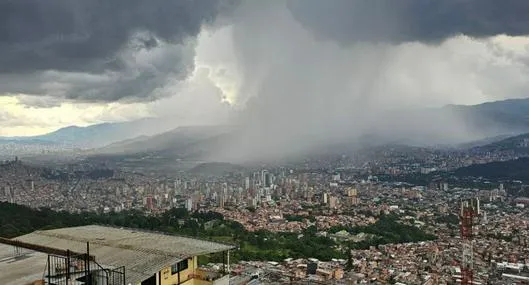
{"x": 142, "y": 253}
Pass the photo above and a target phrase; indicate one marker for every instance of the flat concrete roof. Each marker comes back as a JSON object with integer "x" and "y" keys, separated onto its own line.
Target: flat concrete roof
{"x": 142, "y": 253}
{"x": 26, "y": 267}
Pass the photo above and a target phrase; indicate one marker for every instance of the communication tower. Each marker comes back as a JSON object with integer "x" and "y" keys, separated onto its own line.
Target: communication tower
{"x": 469, "y": 211}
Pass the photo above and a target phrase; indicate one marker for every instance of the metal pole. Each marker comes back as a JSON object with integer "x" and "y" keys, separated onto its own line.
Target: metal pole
{"x": 67, "y": 266}
{"x": 89, "y": 275}
{"x": 49, "y": 270}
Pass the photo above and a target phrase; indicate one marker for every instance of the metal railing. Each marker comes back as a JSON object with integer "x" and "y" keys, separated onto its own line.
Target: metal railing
{"x": 80, "y": 268}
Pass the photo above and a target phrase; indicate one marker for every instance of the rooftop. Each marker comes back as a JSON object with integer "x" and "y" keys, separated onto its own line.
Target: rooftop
{"x": 20, "y": 268}
{"x": 142, "y": 253}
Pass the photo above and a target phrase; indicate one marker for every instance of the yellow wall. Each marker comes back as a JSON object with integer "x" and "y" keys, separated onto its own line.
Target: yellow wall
{"x": 197, "y": 282}
{"x": 172, "y": 279}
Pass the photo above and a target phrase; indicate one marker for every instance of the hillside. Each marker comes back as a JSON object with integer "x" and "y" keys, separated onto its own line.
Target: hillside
{"x": 508, "y": 170}
{"x": 152, "y": 138}
{"x": 518, "y": 144}
{"x": 482, "y": 142}
{"x": 96, "y": 135}
{"x": 215, "y": 168}
{"x": 497, "y": 118}
{"x": 175, "y": 139}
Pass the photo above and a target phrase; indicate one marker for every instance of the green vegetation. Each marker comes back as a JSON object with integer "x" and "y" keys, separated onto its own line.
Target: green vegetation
{"x": 412, "y": 178}
{"x": 263, "y": 245}
{"x": 17, "y": 220}
{"x": 64, "y": 176}
{"x": 449, "y": 219}
{"x": 389, "y": 230}
{"x": 296, "y": 218}
{"x": 509, "y": 170}
{"x": 386, "y": 230}
{"x": 251, "y": 209}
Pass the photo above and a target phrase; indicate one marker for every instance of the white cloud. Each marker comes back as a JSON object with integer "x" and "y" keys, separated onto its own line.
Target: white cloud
{"x": 216, "y": 52}
{"x": 17, "y": 119}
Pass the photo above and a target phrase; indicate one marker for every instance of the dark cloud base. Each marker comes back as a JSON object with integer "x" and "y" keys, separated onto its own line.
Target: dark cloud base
{"x": 79, "y": 35}
{"x": 89, "y": 36}
{"x": 349, "y": 21}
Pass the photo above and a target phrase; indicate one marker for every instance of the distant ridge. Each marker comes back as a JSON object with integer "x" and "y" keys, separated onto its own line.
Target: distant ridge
{"x": 518, "y": 144}
{"x": 499, "y": 120}
{"x": 92, "y": 136}
{"x": 517, "y": 169}
{"x": 495, "y": 120}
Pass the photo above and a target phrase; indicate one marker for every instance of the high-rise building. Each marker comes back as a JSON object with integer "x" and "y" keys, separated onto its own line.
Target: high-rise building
{"x": 256, "y": 179}
{"x": 267, "y": 180}
{"x": 325, "y": 198}
{"x": 246, "y": 183}
{"x": 221, "y": 199}
{"x": 333, "y": 202}
{"x": 149, "y": 203}
{"x": 189, "y": 204}
{"x": 254, "y": 202}
{"x": 351, "y": 198}
{"x": 351, "y": 192}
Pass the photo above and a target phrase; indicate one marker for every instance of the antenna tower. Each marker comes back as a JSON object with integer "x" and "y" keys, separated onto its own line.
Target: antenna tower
{"x": 469, "y": 210}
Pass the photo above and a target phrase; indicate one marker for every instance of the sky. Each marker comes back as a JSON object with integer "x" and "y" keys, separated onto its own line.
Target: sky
{"x": 286, "y": 70}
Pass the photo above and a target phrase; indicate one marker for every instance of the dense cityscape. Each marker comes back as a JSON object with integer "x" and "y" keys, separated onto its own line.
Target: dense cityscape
{"x": 247, "y": 142}
{"x": 392, "y": 220}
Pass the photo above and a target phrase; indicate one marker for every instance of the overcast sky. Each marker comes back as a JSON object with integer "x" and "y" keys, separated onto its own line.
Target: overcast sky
{"x": 277, "y": 66}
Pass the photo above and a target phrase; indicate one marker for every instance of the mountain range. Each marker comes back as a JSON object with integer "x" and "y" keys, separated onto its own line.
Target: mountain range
{"x": 518, "y": 144}
{"x": 511, "y": 115}
{"x": 93, "y": 136}
{"x": 517, "y": 169}
{"x": 150, "y": 138}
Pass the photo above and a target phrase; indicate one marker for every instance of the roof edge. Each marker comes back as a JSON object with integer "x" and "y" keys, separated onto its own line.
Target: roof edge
{"x": 232, "y": 245}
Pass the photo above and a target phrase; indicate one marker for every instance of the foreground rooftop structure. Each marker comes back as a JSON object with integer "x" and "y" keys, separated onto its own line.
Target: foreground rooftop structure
{"x": 112, "y": 256}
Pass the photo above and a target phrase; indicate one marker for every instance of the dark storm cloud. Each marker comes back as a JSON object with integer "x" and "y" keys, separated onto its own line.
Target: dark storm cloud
{"x": 348, "y": 21}
{"x": 100, "y": 50}
{"x": 304, "y": 95}
{"x": 79, "y": 35}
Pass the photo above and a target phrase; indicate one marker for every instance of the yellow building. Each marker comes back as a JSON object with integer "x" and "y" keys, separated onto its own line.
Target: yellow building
{"x": 187, "y": 272}
{"x": 114, "y": 256}
{"x": 351, "y": 192}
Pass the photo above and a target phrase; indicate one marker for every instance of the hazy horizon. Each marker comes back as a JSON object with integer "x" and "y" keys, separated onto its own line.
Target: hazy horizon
{"x": 151, "y": 118}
